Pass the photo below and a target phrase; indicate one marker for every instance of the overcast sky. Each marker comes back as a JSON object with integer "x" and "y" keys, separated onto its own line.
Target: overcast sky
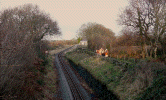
{"x": 71, "y": 14}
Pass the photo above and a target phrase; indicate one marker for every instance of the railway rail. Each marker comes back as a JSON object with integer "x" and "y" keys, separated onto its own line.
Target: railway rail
{"x": 71, "y": 88}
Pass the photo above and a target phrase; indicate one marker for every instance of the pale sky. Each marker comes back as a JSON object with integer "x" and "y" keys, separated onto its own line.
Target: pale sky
{"x": 71, "y": 14}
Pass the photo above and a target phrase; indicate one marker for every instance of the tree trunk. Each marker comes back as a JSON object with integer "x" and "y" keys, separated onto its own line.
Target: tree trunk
{"x": 155, "y": 52}
{"x": 146, "y": 51}
{"x": 151, "y": 51}
{"x": 143, "y": 51}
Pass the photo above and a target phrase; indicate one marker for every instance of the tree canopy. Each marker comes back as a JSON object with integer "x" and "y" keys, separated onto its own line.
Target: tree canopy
{"x": 28, "y": 21}
{"x": 97, "y": 35}
{"x": 21, "y": 29}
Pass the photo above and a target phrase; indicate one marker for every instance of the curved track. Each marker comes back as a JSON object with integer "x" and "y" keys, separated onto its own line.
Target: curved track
{"x": 71, "y": 88}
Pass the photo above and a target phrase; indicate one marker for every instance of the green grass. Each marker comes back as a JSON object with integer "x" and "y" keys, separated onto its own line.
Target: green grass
{"x": 136, "y": 80}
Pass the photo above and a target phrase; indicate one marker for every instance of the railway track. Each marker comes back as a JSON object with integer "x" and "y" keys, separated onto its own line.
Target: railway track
{"x": 71, "y": 88}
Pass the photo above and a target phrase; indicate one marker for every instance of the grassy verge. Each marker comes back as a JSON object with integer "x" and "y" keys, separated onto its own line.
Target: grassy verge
{"x": 50, "y": 80}
{"x": 145, "y": 80}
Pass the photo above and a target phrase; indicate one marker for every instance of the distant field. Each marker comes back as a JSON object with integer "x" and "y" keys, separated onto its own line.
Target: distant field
{"x": 58, "y": 49}
{"x": 57, "y": 43}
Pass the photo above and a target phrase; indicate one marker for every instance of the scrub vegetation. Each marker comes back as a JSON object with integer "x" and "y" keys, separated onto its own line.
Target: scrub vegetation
{"x": 24, "y": 65}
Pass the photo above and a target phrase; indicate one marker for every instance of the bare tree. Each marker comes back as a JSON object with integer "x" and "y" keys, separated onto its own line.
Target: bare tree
{"x": 127, "y": 38}
{"x": 159, "y": 27}
{"x": 147, "y": 17}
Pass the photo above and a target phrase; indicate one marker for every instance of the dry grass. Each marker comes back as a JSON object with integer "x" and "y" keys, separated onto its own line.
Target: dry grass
{"x": 126, "y": 51}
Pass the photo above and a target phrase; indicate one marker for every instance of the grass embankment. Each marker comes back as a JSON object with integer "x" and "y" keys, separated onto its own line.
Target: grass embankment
{"x": 50, "y": 79}
{"x": 135, "y": 80}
